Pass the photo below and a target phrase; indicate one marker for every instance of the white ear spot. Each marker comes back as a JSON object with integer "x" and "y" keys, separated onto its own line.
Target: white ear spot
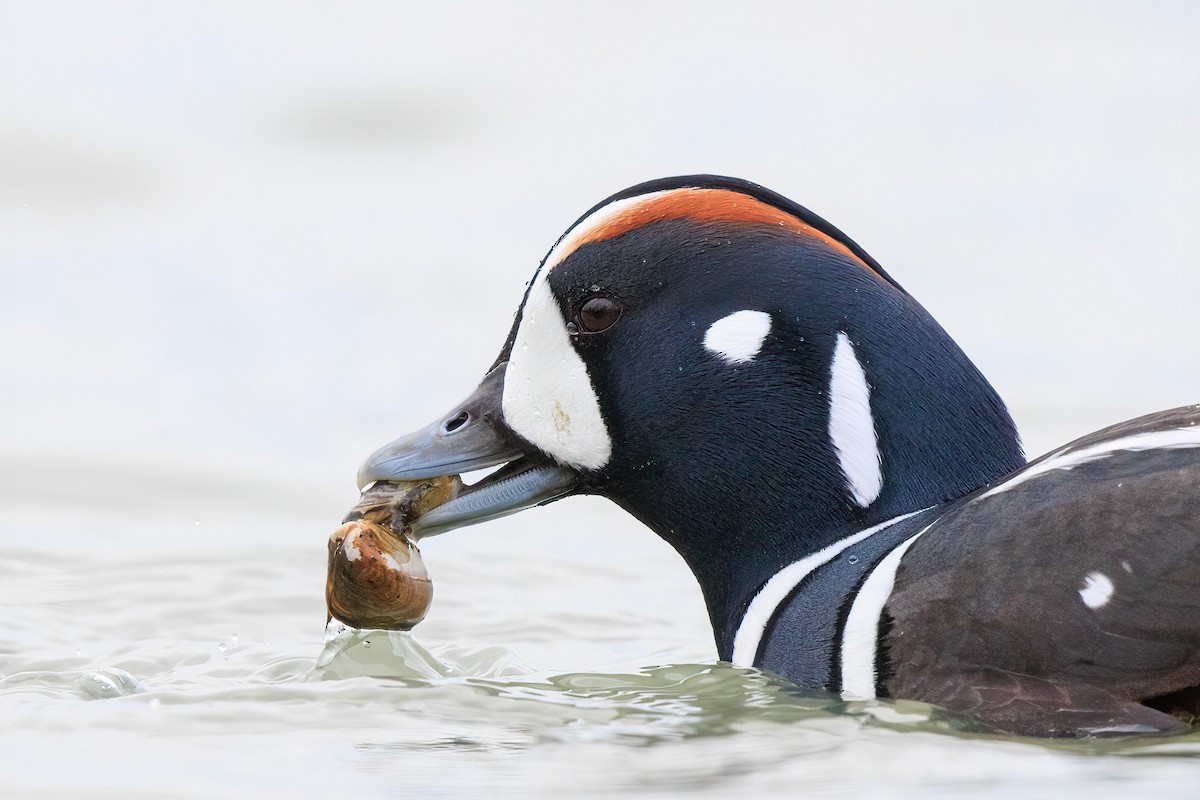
{"x": 738, "y": 337}
{"x": 548, "y": 395}
{"x": 851, "y": 425}
{"x": 1097, "y": 590}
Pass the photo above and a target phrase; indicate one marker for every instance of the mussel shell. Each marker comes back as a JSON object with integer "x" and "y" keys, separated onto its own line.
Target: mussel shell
{"x": 376, "y": 578}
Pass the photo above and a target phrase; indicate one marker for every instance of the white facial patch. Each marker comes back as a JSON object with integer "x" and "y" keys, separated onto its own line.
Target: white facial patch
{"x": 548, "y": 395}
{"x": 738, "y": 337}
{"x": 1097, "y": 590}
{"x": 851, "y": 425}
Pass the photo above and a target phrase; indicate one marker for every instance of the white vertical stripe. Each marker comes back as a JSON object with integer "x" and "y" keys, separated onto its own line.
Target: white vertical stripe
{"x": 754, "y": 622}
{"x": 851, "y": 425}
{"x": 861, "y": 636}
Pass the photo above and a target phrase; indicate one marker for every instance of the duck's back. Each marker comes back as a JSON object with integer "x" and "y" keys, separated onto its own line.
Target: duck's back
{"x": 1076, "y": 577}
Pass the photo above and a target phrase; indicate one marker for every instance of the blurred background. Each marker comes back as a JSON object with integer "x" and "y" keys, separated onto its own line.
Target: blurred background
{"x": 254, "y": 241}
{"x": 243, "y": 245}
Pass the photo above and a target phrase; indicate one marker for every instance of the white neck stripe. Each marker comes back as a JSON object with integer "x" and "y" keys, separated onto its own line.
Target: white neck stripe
{"x": 852, "y": 426}
{"x": 1068, "y": 459}
{"x": 860, "y": 638}
{"x": 758, "y": 614}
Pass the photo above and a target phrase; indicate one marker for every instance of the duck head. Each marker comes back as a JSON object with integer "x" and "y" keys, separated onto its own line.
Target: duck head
{"x": 733, "y": 371}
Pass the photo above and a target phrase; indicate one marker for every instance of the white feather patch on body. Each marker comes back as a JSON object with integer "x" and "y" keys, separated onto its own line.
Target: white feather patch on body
{"x": 758, "y": 614}
{"x": 738, "y": 337}
{"x": 1097, "y": 590}
{"x": 852, "y": 426}
{"x": 1069, "y": 459}
{"x": 860, "y": 638}
{"x": 548, "y": 395}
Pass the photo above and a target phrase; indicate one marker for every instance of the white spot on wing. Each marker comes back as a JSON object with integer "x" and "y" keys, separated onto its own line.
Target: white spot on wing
{"x": 1097, "y": 590}
{"x": 851, "y": 425}
{"x": 861, "y": 634}
{"x": 548, "y": 396}
{"x": 738, "y": 337}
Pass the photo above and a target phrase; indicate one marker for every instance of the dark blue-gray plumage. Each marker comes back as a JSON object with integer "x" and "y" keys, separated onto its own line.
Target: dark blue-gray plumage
{"x": 847, "y": 488}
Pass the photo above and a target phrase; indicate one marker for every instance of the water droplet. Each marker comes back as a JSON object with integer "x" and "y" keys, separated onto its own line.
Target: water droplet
{"x": 223, "y": 647}
{"x": 367, "y": 643}
{"x": 853, "y": 559}
{"x": 197, "y": 522}
{"x": 109, "y": 682}
{"x": 234, "y": 639}
{"x": 104, "y": 686}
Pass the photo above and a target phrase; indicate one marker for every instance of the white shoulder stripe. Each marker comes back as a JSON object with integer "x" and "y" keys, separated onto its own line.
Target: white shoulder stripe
{"x": 861, "y": 635}
{"x": 1068, "y": 459}
{"x": 758, "y": 614}
{"x": 852, "y": 426}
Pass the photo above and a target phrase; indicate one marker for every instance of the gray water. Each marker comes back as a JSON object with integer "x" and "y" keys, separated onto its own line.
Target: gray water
{"x": 241, "y": 247}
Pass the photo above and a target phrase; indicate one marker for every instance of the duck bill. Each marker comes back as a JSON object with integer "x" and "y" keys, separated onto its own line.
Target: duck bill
{"x": 473, "y": 436}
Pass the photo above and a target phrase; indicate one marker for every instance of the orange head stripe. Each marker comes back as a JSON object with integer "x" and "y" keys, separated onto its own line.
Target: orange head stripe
{"x": 697, "y": 205}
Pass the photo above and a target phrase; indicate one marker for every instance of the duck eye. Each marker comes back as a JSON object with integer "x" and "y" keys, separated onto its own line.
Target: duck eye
{"x": 598, "y": 314}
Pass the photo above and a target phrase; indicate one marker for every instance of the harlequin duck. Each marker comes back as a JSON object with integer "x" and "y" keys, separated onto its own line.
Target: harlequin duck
{"x": 847, "y": 488}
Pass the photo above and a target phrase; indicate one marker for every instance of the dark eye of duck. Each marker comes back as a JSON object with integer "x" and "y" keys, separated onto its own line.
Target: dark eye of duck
{"x": 598, "y": 314}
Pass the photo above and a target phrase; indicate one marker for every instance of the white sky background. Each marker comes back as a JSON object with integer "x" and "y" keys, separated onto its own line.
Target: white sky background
{"x": 244, "y": 245}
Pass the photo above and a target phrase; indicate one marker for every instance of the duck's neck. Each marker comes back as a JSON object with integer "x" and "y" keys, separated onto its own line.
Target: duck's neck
{"x": 743, "y": 504}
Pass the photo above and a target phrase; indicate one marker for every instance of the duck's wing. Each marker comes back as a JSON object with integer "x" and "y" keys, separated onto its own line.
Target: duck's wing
{"x": 1058, "y": 600}
{"x": 1031, "y": 706}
